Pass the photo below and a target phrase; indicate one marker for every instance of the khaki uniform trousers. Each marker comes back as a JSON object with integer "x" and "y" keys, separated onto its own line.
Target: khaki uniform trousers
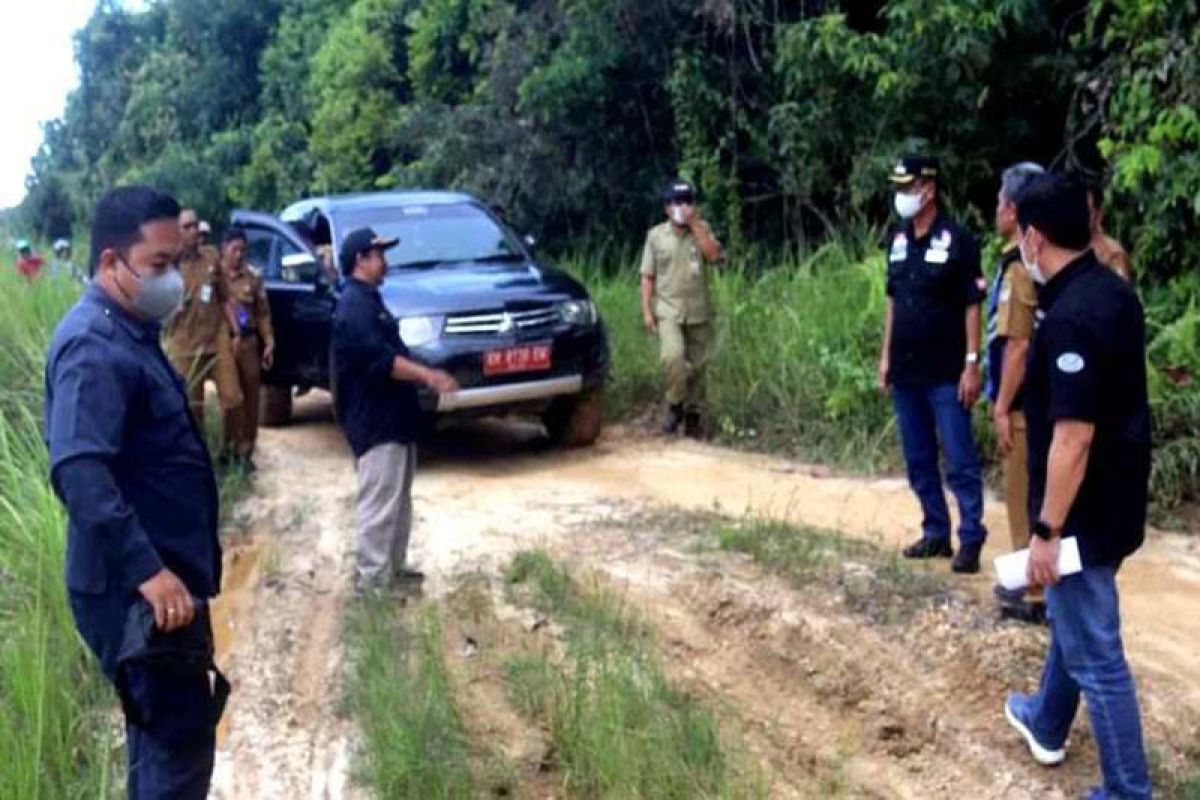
{"x": 199, "y": 368}
{"x": 241, "y": 423}
{"x": 1016, "y": 490}
{"x": 684, "y": 352}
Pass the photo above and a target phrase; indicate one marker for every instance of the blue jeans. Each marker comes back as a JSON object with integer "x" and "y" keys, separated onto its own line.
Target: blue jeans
{"x": 1086, "y": 655}
{"x": 924, "y": 414}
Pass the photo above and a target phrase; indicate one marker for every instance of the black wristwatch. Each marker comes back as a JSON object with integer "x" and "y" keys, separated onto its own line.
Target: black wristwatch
{"x": 1043, "y": 531}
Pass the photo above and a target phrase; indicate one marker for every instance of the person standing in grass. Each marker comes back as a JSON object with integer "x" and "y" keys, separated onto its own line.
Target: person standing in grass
{"x": 378, "y": 410}
{"x": 676, "y": 305}
{"x": 29, "y": 263}
{"x": 196, "y": 337}
{"x": 127, "y": 460}
{"x": 1010, "y": 326}
{"x": 930, "y": 360}
{"x": 1086, "y": 402}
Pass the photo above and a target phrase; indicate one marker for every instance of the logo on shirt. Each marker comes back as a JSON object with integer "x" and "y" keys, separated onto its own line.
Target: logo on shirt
{"x": 1070, "y": 363}
{"x": 939, "y": 249}
{"x": 899, "y": 250}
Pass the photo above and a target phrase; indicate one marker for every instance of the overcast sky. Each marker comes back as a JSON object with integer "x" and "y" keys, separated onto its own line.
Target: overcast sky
{"x": 37, "y": 70}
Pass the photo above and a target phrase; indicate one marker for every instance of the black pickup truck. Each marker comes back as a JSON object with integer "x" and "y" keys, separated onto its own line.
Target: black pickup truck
{"x": 519, "y": 335}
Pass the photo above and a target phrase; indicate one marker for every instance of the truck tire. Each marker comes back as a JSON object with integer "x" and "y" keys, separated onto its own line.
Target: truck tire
{"x": 575, "y": 420}
{"x": 275, "y": 408}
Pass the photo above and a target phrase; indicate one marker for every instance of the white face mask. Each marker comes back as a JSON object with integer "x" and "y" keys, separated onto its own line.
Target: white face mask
{"x": 907, "y": 205}
{"x": 1031, "y": 265}
{"x": 678, "y": 214}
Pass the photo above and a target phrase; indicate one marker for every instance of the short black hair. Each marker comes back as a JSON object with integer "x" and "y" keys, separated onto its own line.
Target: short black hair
{"x": 1057, "y": 206}
{"x": 231, "y": 235}
{"x": 120, "y": 214}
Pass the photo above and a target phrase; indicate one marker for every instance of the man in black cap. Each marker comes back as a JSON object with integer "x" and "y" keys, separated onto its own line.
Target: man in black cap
{"x": 1089, "y": 471}
{"x": 376, "y": 402}
{"x": 675, "y": 301}
{"x": 930, "y": 359}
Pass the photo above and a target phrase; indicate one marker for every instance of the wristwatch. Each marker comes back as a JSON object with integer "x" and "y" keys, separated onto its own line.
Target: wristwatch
{"x": 972, "y": 358}
{"x": 1043, "y": 531}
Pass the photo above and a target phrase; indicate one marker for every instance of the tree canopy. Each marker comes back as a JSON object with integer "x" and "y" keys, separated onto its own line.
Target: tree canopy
{"x": 569, "y": 114}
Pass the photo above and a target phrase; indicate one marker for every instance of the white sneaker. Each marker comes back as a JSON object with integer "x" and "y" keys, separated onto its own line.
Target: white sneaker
{"x": 1042, "y": 755}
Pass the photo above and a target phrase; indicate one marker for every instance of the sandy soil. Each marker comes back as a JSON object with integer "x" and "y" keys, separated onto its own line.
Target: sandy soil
{"x": 822, "y": 698}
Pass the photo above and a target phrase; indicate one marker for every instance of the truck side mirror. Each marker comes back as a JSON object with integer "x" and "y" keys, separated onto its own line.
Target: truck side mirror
{"x": 300, "y": 268}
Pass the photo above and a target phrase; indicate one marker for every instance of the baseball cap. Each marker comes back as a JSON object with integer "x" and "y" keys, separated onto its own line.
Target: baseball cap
{"x": 361, "y": 240}
{"x": 678, "y": 190}
{"x": 911, "y": 167}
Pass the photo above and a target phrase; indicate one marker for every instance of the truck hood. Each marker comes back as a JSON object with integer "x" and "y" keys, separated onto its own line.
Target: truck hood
{"x": 457, "y": 287}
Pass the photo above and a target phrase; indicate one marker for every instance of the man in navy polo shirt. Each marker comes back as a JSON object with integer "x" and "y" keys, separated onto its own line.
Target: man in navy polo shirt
{"x": 376, "y": 401}
{"x": 1089, "y": 471}
{"x": 129, "y": 464}
{"x": 930, "y": 360}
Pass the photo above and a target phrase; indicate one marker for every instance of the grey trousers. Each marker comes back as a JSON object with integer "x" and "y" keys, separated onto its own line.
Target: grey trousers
{"x": 385, "y": 476}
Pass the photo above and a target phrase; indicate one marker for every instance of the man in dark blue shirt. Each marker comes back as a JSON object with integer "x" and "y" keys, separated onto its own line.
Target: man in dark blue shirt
{"x": 930, "y": 360}
{"x": 1089, "y": 471}
{"x": 376, "y": 402}
{"x": 129, "y": 464}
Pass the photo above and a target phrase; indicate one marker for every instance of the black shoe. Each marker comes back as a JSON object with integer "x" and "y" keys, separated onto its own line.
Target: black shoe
{"x": 692, "y": 426}
{"x": 967, "y": 560}
{"x": 1032, "y": 613}
{"x": 408, "y": 575}
{"x": 674, "y": 419}
{"x": 929, "y": 548}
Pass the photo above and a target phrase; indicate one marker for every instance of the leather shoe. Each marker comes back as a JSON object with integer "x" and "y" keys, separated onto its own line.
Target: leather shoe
{"x": 929, "y": 548}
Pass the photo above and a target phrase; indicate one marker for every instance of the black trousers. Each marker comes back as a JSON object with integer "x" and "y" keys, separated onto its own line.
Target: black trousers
{"x": 157, "y": 770}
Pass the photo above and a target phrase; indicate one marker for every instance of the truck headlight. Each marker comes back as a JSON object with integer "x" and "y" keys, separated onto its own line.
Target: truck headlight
{"x": 578, "y": 312}
{"x": 417, "y": 331}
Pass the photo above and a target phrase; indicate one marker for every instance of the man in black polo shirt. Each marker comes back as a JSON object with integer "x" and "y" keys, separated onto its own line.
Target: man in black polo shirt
{"x": 930, "y": 360}
{"x": 1089, "y": 468}
{"x": 376, "y": 401}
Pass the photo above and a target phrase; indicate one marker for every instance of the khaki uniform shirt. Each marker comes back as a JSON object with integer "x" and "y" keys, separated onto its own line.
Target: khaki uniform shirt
{"x": 197, "y": 325}
{"x": 1016, "y": 305}
{"x": 246, "y": 291}
{"x": 1110, "y": 253}
{"x": 680, "y": 274}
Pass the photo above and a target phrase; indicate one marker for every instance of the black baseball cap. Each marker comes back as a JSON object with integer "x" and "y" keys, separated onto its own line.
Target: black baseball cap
{"x": 360, "y": 241}
{"x": 679, "y": 191}
{"x": 911, "y": 167}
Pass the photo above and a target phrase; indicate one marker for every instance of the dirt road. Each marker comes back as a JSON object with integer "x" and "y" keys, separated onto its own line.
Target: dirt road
{"x": 904, "y": 711}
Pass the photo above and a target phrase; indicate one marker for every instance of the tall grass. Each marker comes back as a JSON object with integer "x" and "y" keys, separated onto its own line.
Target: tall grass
{"x": 798, "y": 339}
{"x": 618, "y": 725}
{"x": 55, "y": 737}
{"x": 399, "y": 691}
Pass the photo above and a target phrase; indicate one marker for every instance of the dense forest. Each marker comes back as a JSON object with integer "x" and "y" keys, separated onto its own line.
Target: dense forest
{"x": 569, "y": 114}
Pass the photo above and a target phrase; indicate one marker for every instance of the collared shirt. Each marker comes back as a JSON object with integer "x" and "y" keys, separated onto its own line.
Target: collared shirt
{"x": 195, "y": 328}
{"x": 1011, "y": 314}
{"x": 680, "y": 274}
{"x": 126, "y": 458}
{"x": 251, "y": 309}
{"x": 932, "y": 281}
{"x": 30, "y": 266}
{"x": 1088, "y": 363}
{"x": 372, "y": 407}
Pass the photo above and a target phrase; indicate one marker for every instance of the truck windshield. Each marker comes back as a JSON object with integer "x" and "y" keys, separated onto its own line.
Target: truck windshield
{"x": 435, "y": 234}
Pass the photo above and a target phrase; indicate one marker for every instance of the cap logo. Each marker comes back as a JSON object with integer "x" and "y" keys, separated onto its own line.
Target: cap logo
{"x": 1070, "y": 363}
{"x": 901, "y": 169}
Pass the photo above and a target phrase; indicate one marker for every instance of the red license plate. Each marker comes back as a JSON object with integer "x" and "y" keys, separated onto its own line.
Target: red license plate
{"x": 527, "y": 358}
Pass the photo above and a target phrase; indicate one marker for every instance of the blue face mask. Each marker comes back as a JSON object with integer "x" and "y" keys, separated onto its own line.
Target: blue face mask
{"x": 158, "y": 295}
